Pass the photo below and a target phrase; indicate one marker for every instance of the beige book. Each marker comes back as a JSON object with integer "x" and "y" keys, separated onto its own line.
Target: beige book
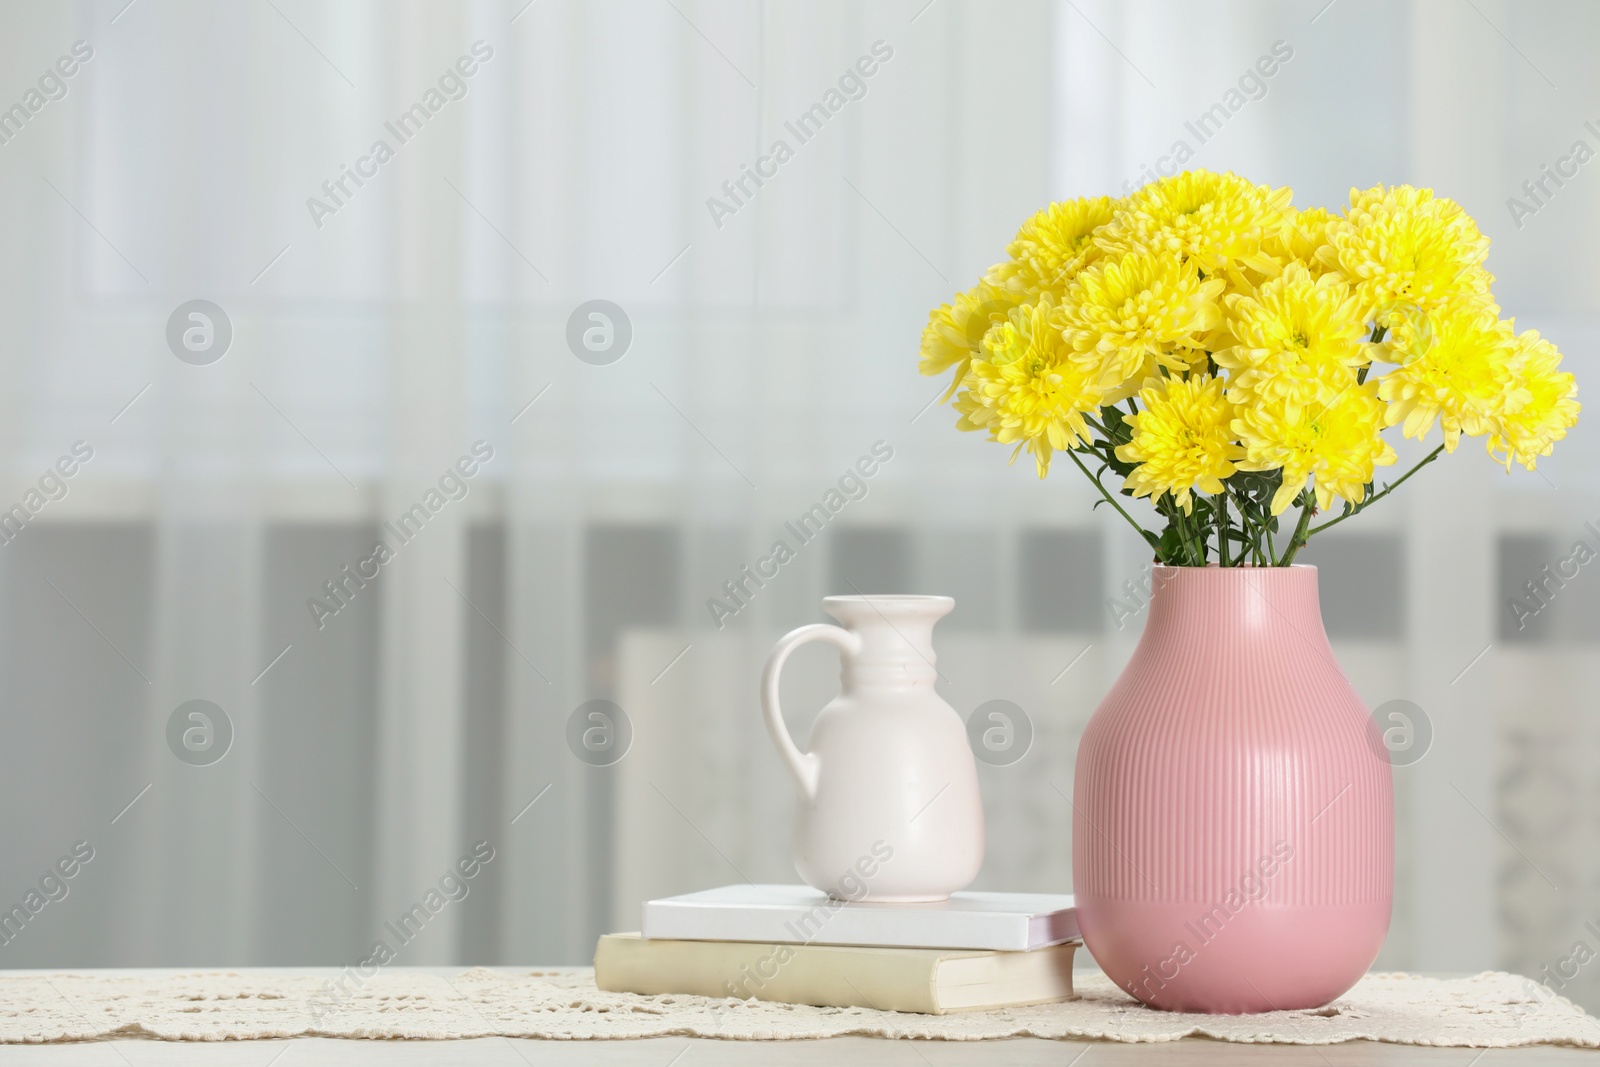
{"x": 932, "y": 981}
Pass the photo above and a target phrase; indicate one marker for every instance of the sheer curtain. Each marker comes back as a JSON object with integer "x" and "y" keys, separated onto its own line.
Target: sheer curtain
{"x": 604, "y": 152}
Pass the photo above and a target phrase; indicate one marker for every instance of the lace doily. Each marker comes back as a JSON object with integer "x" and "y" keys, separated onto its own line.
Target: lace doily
{"x": 1493, "y": 1010}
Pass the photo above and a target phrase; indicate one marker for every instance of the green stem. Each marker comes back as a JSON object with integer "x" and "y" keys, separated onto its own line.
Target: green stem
{"x": 1197, "y": 540}
{"x": 1377, "y": 335}
{"x": 1222, "y": 527}
{"x": 1149, "y": 538}
{"x": 1184, "y": 557}
{"x": 1300, "y": 537}
{"x": 1249, "y": 532}
{"x": 1183, "y": 535}
{"x": 1375, "y": 497}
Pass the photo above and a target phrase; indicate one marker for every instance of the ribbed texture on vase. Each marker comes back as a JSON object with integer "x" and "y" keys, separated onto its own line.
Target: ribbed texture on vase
{"x": 1231, "y": 737}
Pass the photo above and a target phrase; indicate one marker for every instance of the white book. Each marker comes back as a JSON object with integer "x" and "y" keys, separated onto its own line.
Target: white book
{"x": 798, "y": 914}
{"x": 931, "y": 980}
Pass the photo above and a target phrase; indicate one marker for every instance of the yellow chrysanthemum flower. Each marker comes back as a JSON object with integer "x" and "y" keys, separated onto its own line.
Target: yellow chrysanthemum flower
{"x": 1130, "y": 313}
{"x": 1297, "y": 337}
{"x": 1214, "y": 221}
{"x": 1299, "y": 239}
{"x": 1245, "y": 327}
{"x": 1404, "y": 248}
{"x": 1337, "y": 445}
{"x": 1456, "y": 371}
{"x": 1549, "y": 412}
{"x": 955, "y": 330}
{"x": 1027, "y": 388}
{"x": 1053, "y": 245}
{"x": 1181, "y": 439}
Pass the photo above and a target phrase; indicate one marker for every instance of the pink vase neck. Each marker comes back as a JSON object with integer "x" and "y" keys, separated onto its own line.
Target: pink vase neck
{"x": 1236, "y": 604}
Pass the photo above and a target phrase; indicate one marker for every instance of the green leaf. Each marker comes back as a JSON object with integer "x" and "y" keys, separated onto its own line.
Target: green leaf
{"x": 1112, "y": 419}
{"x": 1170, "y": 545}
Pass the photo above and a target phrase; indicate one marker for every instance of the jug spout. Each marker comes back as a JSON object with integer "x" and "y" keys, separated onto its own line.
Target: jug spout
{"x": 896, "y": 634}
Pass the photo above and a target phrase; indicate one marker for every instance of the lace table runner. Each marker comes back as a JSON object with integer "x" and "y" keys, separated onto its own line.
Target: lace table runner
{"x": 1492, "y": 1010}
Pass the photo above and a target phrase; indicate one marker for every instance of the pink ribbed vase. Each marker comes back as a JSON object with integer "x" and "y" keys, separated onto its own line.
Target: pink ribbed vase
{"x": 1233, "y": 825}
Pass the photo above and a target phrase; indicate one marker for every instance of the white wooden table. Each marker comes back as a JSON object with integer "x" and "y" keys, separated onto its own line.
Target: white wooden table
{"x": 698, "y": 1052}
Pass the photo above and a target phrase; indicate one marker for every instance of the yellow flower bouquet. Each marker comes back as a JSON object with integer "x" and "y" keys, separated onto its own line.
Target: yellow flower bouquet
{"x": 1231, "y": 357}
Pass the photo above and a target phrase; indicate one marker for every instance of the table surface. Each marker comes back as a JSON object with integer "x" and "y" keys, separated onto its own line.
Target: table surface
{"x": 701, "y": 1052}
{"x": 834, "y": 1052}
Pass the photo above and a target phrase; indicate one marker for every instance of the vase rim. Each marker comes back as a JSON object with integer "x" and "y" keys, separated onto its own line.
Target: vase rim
{"x": 1251, "y": 567}
{"x": 864, "y": 608}
{"x": 867, "y": 598}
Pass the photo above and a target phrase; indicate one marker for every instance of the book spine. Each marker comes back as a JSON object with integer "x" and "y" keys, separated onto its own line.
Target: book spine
{"x": 782, "y": 974}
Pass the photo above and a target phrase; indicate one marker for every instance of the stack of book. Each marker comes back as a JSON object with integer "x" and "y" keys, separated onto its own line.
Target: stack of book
{"x": 796, "y": 945}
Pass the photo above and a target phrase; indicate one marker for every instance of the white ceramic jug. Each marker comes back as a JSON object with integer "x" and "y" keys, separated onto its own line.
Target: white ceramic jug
{"x": 889, "y": 808}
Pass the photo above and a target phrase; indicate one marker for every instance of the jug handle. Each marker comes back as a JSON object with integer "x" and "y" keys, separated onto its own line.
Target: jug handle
{"x": 803, "y": 765}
